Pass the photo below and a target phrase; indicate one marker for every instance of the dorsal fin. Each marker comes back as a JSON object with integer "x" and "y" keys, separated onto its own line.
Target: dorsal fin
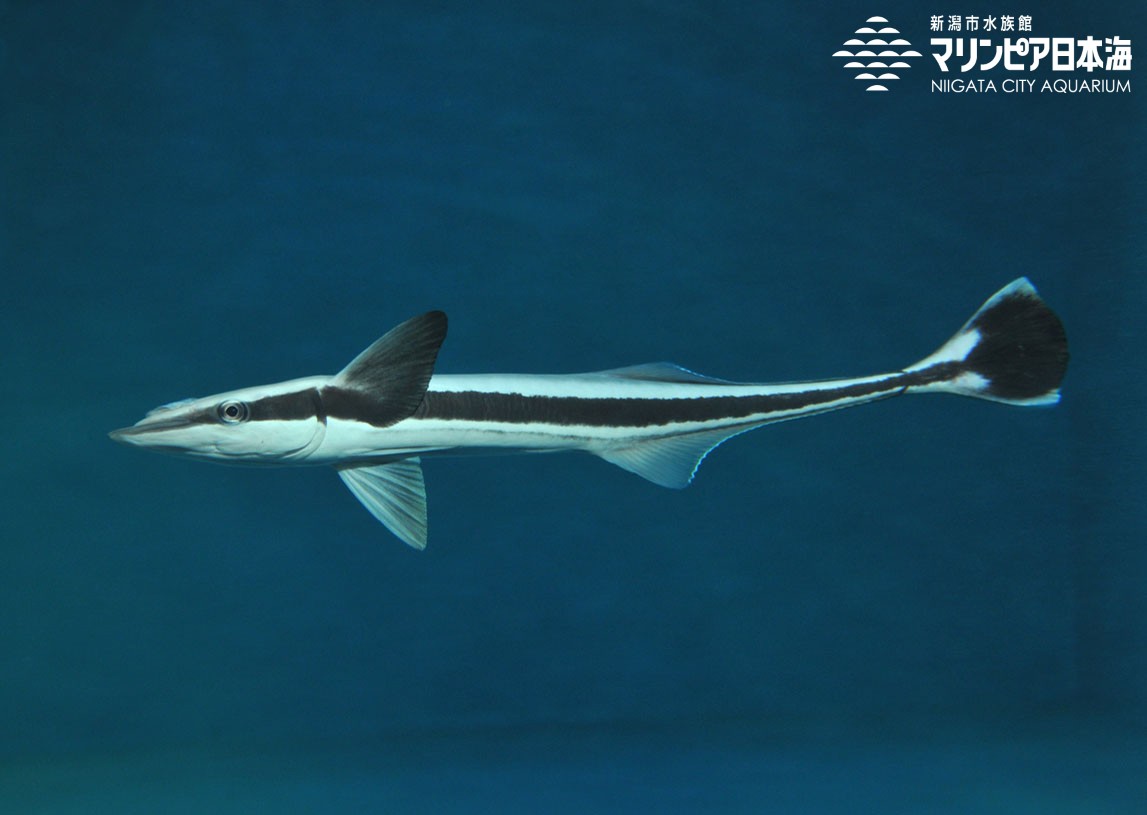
{"x": 403, "y": 355}
{"x": 663, "y": 372}
{"x": 387, "y": 381}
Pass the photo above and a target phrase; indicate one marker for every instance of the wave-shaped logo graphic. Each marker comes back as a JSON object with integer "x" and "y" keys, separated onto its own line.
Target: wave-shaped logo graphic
{"x": 888, "y": 60}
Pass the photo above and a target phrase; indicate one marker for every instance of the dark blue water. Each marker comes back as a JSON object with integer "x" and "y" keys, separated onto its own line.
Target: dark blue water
{"x": 931, "y": 604}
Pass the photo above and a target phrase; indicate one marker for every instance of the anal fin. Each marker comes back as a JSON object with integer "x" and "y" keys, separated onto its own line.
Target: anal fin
{"x": 395, "y": 494}
{"x": 670, "y": 461}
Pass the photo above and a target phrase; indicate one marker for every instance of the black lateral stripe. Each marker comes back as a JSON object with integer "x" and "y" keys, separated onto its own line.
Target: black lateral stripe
{"x": 304, "y": 404}
{"x": 359, "y": 406}
{"x": 201, "y": 416}
{"x": 636, "y": 412}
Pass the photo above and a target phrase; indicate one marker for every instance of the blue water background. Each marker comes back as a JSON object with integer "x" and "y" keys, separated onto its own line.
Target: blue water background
{"x": 204, "y": 196}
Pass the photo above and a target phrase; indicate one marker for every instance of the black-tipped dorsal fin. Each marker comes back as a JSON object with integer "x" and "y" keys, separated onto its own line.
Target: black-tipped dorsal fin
{"x": 387, "y": 381}
{"x": 404, "y": 354}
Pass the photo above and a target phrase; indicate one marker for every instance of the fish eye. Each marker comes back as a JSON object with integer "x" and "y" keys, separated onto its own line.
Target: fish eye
{"x": 233, "y": 412}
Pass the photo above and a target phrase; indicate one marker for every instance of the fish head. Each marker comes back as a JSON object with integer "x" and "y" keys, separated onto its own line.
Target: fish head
{"x": 272, "y": 424}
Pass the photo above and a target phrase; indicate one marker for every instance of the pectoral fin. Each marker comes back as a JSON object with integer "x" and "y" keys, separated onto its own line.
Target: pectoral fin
{"x": 395, "y": 494}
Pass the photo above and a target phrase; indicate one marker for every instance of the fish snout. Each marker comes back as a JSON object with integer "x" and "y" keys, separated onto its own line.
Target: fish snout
{"x": 148, "y": 429}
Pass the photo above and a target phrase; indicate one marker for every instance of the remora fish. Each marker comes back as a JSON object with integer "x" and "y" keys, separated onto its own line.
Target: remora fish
{"x": 375, "y": 419}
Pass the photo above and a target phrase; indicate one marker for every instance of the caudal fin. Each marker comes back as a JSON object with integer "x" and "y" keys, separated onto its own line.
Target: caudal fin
{"x": 1013, "y": 350}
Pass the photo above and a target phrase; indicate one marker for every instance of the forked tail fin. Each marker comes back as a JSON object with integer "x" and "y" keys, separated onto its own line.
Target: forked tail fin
{"x": 1013, "y": 350}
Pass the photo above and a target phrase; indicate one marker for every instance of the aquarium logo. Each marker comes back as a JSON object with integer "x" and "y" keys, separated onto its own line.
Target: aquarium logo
{"x": 875, "y": 58}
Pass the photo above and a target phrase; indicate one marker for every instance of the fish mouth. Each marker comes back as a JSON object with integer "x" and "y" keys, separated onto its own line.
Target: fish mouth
{"x": 145, "y": 426}
{"x": 127, "y": 435}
